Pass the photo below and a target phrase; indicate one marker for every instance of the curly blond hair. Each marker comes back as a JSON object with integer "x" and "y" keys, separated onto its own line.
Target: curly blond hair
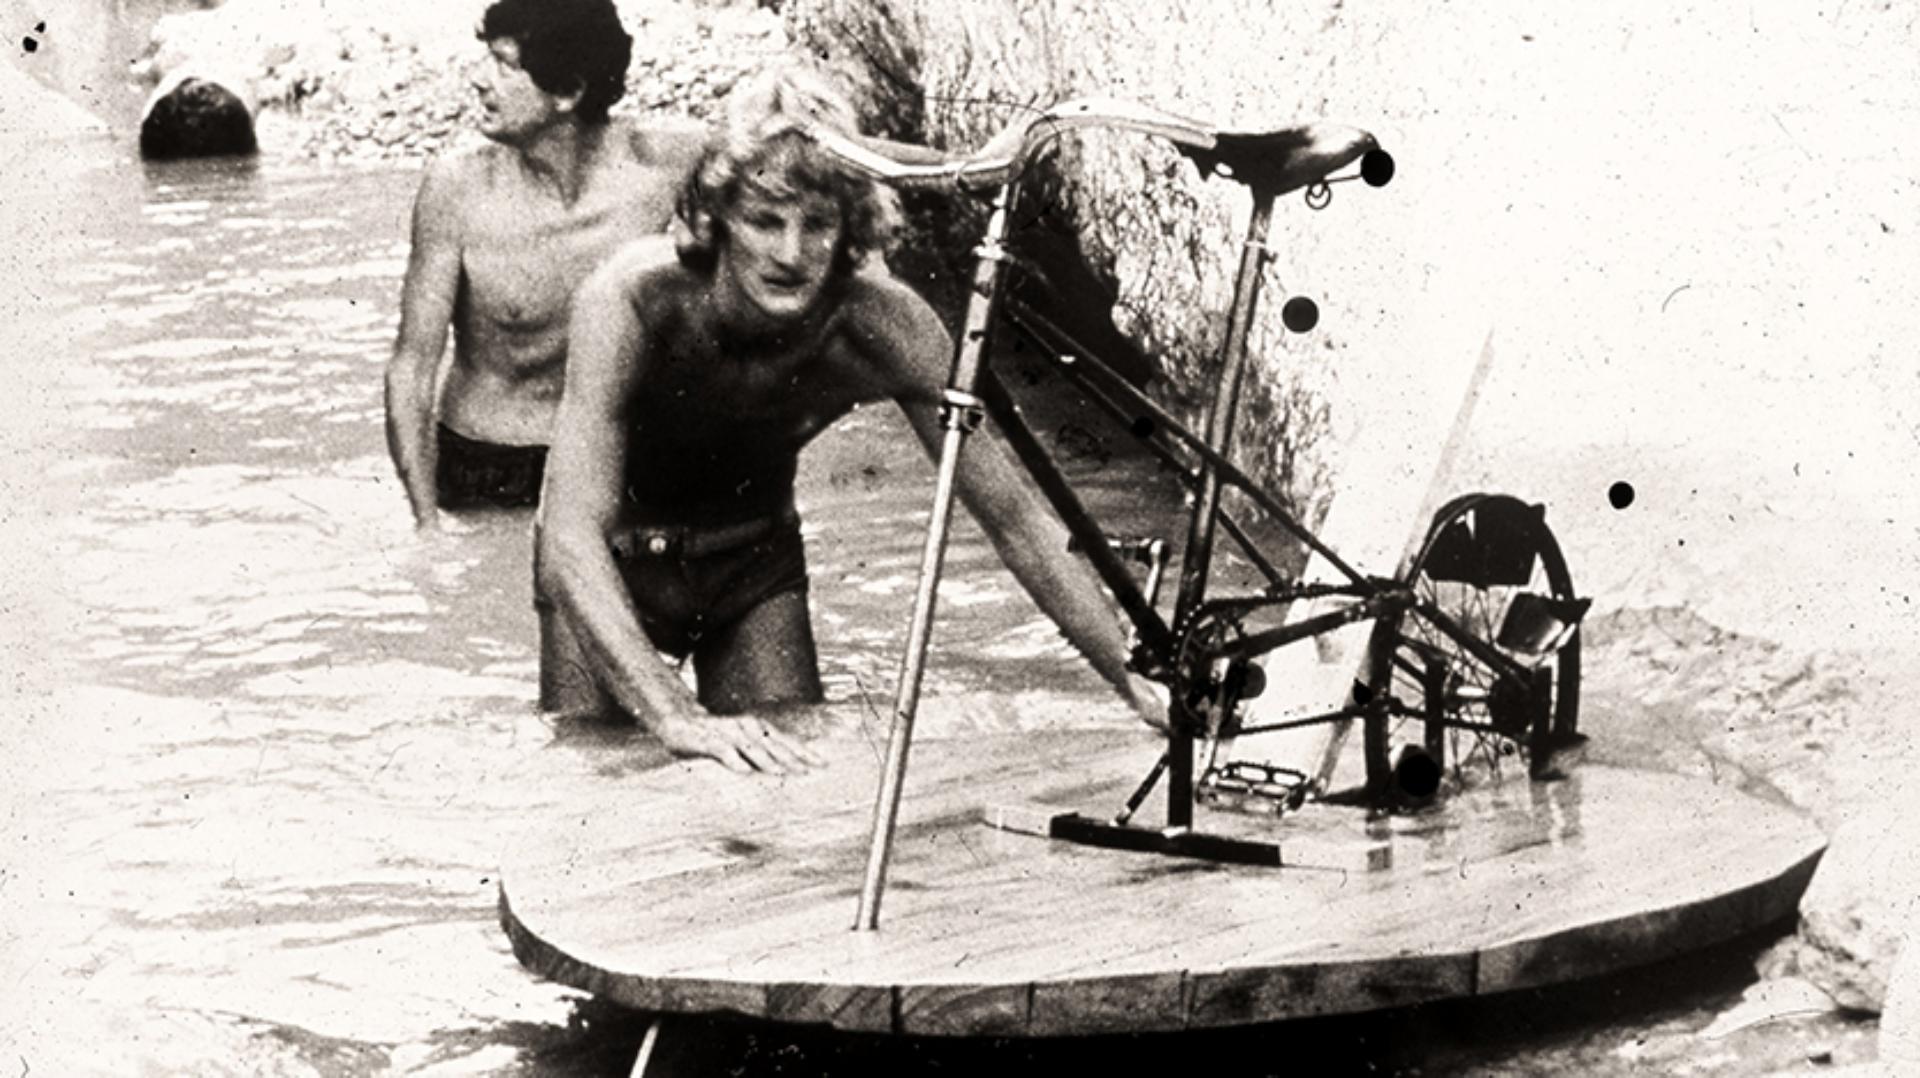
{"x": 762, "y": 145}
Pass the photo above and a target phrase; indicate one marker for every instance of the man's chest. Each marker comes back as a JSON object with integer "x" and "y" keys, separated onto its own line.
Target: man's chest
{"x": 523, "y": 260}
{"x": 789, "y": 397}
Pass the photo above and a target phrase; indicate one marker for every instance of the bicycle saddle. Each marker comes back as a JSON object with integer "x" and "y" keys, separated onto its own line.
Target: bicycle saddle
{"x": 1291, "y": 158}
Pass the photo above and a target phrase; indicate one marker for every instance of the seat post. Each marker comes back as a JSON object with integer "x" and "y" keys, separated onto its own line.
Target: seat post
{"x": 1198, "y": 560}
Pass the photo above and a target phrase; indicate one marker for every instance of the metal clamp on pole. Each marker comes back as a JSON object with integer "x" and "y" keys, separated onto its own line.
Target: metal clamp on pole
{"x": 961, "y": 411}
{"x": 993, "y": 251}
{"x": 992, "y": 256}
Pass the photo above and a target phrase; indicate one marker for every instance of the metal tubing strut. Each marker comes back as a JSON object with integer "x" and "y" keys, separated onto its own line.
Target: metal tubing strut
{"x": 1138, "y": 606}
{"x": 961, "y": 410}
{"x": 1198, "y": 560}
{"x": 1140, "y": 404}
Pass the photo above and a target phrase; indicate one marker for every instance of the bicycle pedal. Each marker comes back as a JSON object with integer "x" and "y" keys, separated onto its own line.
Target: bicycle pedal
{"x": 1247, "y": 803}
{"x": 1256, "y": 788}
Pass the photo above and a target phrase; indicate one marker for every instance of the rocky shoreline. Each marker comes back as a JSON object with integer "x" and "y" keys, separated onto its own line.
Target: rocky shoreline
{"x": 359, "y": 85}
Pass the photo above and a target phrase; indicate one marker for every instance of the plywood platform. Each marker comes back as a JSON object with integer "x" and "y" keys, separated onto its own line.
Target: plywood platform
{"x": 684, "y": 888}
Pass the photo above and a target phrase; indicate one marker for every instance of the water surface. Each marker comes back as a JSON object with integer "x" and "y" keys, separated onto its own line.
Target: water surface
{"x": 265, "y": 761}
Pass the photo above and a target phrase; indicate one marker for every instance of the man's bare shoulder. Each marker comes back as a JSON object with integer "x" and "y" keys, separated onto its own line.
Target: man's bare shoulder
{"x": 670, "y": 143}
{"x": 878, "y": 302}
{"x": 458, "y": 176}
{"x": 646, "y": 271}
{"x": 642, "y": 259}
{"x": 468, "y": 160}
{"x": 895, "y": 331}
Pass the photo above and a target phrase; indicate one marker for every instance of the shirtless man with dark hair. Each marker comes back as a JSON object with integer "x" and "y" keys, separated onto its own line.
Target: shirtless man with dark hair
{"x": 698, "y": 374}
{"x": 502, "y": 235}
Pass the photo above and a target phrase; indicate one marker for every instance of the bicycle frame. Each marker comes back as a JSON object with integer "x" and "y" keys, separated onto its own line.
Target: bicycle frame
{"x": 1101, "y": 384}
{"x": 1385, "y": 601}
{"x": 1159, "y": 643}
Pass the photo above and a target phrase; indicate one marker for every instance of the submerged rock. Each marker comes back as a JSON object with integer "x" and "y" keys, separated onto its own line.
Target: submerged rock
{"x": 192, "y": 116}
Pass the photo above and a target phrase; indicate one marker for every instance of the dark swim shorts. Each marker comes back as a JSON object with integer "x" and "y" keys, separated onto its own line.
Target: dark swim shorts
{"x": 693, "y": 580}
{"x": 472, "y": 474}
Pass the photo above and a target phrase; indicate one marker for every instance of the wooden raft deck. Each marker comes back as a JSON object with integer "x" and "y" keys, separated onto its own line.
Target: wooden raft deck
{"x": 685, "y": 889}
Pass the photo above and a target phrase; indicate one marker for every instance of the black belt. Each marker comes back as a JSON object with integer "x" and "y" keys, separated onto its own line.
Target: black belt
{"x": 697, "y": 540}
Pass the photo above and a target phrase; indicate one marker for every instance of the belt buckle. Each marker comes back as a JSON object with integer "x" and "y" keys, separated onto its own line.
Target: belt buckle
{"x": 637, "y": 541}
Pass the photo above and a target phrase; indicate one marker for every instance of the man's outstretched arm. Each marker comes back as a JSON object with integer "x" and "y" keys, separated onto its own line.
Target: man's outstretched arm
{"x": 427, "y": 299}
{"x": 1024, "y": 530}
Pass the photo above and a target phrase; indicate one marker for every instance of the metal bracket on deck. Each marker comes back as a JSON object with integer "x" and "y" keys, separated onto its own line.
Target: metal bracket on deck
{"x": 1172, "y": 841}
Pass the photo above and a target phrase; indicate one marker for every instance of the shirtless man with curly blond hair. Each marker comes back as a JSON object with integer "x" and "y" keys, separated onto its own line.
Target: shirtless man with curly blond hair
{"x": 697, "y": 373}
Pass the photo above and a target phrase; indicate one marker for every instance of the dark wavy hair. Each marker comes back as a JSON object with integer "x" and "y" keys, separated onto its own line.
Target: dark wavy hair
{"x": 567, "y": 46}
{"x": 762, "y": 144}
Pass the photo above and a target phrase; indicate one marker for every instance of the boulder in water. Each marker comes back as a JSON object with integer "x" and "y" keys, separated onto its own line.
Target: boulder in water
{"x": 194, "y": 116}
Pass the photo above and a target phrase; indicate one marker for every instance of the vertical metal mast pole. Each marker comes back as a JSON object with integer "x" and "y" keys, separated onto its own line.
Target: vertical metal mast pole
{"x": 960, "y": 414}
{"x": 1198, "y": 560}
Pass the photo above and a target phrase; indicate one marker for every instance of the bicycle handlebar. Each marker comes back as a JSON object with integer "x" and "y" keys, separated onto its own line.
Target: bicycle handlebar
{"x": 1006, "y": 154}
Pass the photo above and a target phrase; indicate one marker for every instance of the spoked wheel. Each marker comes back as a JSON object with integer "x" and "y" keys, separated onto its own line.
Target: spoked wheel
{"x": 1480, "y": 679}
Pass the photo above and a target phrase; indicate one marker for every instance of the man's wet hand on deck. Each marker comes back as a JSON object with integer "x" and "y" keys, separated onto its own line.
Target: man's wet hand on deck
{"x": 743, "y": 744}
